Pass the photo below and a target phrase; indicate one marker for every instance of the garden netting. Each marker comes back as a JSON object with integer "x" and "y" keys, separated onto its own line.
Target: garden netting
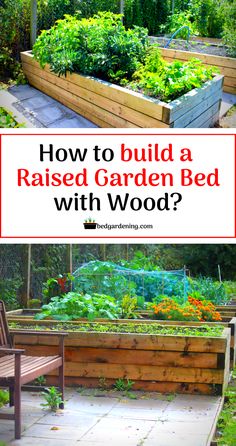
{"x": 115, "y": 280}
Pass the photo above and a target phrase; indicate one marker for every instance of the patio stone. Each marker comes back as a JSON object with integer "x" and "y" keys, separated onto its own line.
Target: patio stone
{"x": 23, "y": 91}
{"x": 78, "y": 122}
{"x": 49, "y": 114}
{"x": 32, "y": 441}
{"x": 54, "y": 431}
{"x": 174, "y": 440}
{"x": 37, "y": 101}
{"x": 122, "y": 429}
{"x": 187, "y": 420}
{"x": 70, "y": 418}
{"x": 92, "y": 405}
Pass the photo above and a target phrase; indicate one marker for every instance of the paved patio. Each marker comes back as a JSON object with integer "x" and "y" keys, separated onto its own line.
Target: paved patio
{"x": 36, "y": 109}
{"x": 182, "y": 420}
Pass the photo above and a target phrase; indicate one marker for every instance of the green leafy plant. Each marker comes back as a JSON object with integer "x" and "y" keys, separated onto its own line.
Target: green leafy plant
{"x": 102, "y": 383}
{"x": 226, "y": 425}
{"x": 4, "y": 397}
{"x": 100, "y": 46}
{"x": 176, "y": 21}
{"x": 34, "y": 303}
{"x": 208, "y": 17}
{"x": 228, "y": 8}
{"x": 7, "y": 119}
{"x": 8, "y": 292}
{"x": 123, "y": 385}
{"x": 143, "y": 328}
{"x": 53, "y": 398}
{"x": 41, "y": 380}
{"x": 74, "y": 305}
{"x": 56, "y": 286}
{"x": 128, "y": 307}
{"x": 170, "y": 80}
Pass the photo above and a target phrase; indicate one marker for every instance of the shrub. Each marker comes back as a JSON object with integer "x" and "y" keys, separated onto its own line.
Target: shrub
{"x": 87, "y": 8}
{"x": 208, "y": 17}
{"x": 8, "y": 292}
{"x": 7, "y": 120}
{"x": 205, "y": 286}
{"x": 176, "y": 21}
{"x": 148, "y": 13}
{"x": 229, "y": 28}
{"x": 100, "y": 46}
{"x": 4, "y": 397}
{"x": 14, "y": 36}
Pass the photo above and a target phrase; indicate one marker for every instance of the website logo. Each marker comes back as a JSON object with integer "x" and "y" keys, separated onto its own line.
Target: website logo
{"x": 90, "y": 224}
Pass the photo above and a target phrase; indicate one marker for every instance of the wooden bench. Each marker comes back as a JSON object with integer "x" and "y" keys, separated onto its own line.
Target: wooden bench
{"x": 17, "y": 369}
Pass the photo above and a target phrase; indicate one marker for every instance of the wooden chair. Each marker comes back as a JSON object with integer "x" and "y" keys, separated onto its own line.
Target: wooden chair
{"x": 17, "y": 369}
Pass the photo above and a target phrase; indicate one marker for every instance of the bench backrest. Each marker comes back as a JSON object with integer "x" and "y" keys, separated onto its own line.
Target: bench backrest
{"x": 5, "y": 338}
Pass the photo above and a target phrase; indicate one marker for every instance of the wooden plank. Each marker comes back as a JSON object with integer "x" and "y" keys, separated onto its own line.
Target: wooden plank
{"x": 211, "y": 121}
{"x": 81, "y": 105}
{"x": 93, "y": 89}
{"x": 208, "y": 59}
{"x": 121, "y": 356}
{"x": 226, "y": 307}
{"x": 201, "y": 120}
{"x": 197, "y": 110}
{"x": 149, "y": 106}
{"x": 230, "y": 90}
{"x": 134, "y": 341}
{"x": 137, "y": 118}
{"x": 146, "y": 373}
{"x": 182, "y": 105}
{"x": 149, "y": 386}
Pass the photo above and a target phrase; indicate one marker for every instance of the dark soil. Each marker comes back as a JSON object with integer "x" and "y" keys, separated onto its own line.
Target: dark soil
{"x": 215, "y": 49}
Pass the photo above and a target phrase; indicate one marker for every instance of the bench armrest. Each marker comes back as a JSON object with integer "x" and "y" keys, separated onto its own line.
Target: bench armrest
{"x": 11, "y": 351}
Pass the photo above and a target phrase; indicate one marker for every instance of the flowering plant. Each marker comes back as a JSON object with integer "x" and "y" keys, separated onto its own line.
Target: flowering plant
{"x": 207, "y": 309}
{"x": 193, "y": 310}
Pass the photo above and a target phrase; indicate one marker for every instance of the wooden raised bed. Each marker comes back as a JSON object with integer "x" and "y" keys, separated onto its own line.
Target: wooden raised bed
{"x": 181, "y": 364}
{"x": 226, "y": 65}
{"x": 109, "y": 105}
{"x": 26, "y": 317}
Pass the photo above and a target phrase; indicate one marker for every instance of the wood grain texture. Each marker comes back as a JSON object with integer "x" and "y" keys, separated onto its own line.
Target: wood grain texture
{"x": 109, "y": 105}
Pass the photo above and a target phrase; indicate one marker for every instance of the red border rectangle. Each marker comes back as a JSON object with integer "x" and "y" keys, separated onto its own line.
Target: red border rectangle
{"x": 117, "y": 237}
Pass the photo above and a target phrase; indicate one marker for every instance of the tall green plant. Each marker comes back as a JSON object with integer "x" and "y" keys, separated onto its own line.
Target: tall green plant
{"x": 14, "y": 35}
{"x": 228, "y": 10}
{"x": 208, "y": 17}
{"x": 100, "y": 46}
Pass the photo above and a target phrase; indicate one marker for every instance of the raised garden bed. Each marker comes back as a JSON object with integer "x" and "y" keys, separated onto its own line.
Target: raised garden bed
{"x": 226, "y": 65}
{"x": 183, "y": 363}
{"x": 109, "y": 105}
{"x": 27, "y": 317}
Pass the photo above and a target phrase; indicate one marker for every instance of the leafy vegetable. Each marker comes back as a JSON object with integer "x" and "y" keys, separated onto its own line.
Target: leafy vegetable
{"x": 73, "y": 306}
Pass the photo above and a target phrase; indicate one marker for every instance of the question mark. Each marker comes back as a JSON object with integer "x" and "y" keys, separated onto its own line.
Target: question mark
{"x": 176, "y": 201}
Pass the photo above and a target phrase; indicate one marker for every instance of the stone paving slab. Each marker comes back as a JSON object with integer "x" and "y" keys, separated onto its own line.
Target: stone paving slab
{"x": 39, "y": 110}
{"x": 42, "y": 111}
{"x": 182, "y": 420}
